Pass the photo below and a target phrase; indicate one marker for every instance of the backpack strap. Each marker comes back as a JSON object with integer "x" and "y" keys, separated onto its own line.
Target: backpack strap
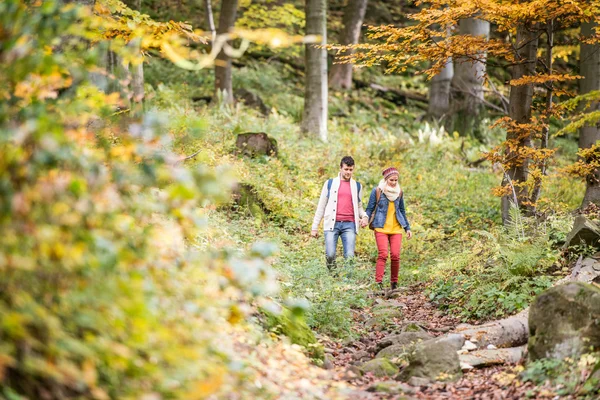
{"x": 377, "y": 197}
{"x": 330, "y": 181}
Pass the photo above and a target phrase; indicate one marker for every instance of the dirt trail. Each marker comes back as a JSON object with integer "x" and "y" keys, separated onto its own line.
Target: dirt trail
{"x": 488, "y": 383}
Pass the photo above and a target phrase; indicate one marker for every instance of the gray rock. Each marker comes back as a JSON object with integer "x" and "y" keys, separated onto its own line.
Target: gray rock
{"x": 418, "y": 381}
{"x": 256, "y": 144}
{"x": 352, "y": 372}
{"x": 361, "y": 355}
{"x": 400, "y": 341}
{"x": 564, "y": 321}
{"x": 456, "y": 340}
{"x": 434, "y": 360}
{"x": 379, "y": 367}
{"x": 584, "y": 231}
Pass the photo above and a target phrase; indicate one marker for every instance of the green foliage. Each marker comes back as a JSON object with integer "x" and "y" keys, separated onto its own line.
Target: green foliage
{"x": 288, "y": 323}
{"x": 286, "y": 17}
{"x": 498, "y": 272}
{"x": 100, "y": 296}
{"x": 567, "y": 377}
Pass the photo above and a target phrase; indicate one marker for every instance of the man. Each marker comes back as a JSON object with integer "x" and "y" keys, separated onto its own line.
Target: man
{"x": 340, "y": 206}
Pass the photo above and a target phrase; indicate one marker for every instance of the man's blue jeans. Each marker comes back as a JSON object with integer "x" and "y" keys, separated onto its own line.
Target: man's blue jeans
{"x": 345, "y": 230}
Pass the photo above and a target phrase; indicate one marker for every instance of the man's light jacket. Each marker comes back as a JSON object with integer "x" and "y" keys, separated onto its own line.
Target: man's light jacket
{"x": 326, "y": 209}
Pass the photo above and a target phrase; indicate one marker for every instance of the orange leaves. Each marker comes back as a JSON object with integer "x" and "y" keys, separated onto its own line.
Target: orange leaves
{"x": 588, "y": 163}
{"x": 40, "y": 87}
{"x": 543, "y": 78}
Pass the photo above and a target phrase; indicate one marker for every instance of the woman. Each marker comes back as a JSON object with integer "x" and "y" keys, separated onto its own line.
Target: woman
{"x": 387, "y": 217}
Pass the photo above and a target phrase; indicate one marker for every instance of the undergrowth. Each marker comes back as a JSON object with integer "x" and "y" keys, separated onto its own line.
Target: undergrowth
{"x": 472, "y": 265}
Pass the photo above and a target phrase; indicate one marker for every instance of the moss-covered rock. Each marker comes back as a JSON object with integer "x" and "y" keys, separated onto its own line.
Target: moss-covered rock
{"x": 399, "y": 345}
{"x": 296, "y": 329}
{"x": 434, "y": 360}
{"x": 379, "y": 367}
{"x": 564, "y": 321}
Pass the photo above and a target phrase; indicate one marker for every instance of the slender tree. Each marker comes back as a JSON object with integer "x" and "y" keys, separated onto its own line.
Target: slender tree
{"x": 314, "y": 118}
{"x": 354, "y": 14}
{"x": 439, "y": 90}
{"x": 223, "y": 62}
{"x": 210, "y": 19}
{"x": 590, "y": 133}
{"x": 519, "y": 134}
{"x": 137, "y": 81}
{"x": 467, "y": 82}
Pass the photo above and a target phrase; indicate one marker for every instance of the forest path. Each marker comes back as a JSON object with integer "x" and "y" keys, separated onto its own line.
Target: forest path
{"x": 497, "y": 382}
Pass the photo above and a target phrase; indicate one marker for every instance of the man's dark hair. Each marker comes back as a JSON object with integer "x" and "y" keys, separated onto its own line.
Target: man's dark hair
{"x": 349, "y": 161}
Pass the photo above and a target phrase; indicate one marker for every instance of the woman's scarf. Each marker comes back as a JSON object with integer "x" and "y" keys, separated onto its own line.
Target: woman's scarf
{"x": 392, "y": 193}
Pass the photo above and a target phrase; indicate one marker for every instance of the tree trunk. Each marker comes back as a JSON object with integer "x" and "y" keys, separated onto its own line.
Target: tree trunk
{"x": 519, "y": 110}
{"x": 467, "y": 83}
{"x": 137, "y": 85}
{"x": 314, "y": 118}
{"x": 439, "y": 92}
{"x": 487, "y": 358}
{"x": 542, "y": 165}
{"x": 223, "y": 62}
{"x": 590, "y": 134}
{"x": 210, "y": 19}
{"x": 354, "y": 13}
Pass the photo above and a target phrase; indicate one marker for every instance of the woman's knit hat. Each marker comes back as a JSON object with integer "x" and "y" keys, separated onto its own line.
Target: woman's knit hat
{"x": 389, "y": 171}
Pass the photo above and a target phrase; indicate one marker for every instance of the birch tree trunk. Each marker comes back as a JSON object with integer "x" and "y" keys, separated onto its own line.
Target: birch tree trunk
{"x": 467, "y": 83}
{"x": 137, "y": 84}
{"x": 314, "y": 118}
{"x": 519, "y": 110}
{"x": 223, "y": 62}
{"x": 354, "y": 14}
{"x": 590, "y": 134}
{"x": 210, "y": 19}
{"x": 439, "y": 92}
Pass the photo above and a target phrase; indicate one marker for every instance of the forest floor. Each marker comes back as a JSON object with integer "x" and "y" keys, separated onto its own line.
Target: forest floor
{"x": 498, "y": 382}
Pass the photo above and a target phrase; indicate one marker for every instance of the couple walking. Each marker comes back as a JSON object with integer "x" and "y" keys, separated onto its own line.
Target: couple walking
{"x": 340, "y": 206}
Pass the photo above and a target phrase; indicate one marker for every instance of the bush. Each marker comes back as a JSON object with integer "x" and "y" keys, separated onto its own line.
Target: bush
{"x": 100, "y": 294}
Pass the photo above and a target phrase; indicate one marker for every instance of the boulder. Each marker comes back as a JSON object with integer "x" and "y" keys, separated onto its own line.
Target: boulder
{"x": 584, "y": 231}
{"x": 361, "y": 355}
{"x": 434, "y": 360}
{"x": 394, "y": 345}
{"x": 564, "y": 321}
{"x": 251, "y": 100}
{"x": 379, "y": 367}
{"x": 455, "y": 340}
{"x": 254, "y": 144}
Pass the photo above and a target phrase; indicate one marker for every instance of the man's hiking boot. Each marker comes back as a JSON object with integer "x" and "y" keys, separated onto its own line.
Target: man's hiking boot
{"x": 394, "y": 285}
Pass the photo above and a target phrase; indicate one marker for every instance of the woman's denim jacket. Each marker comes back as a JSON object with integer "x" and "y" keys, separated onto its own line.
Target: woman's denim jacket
{"x": 382, "y": 208}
